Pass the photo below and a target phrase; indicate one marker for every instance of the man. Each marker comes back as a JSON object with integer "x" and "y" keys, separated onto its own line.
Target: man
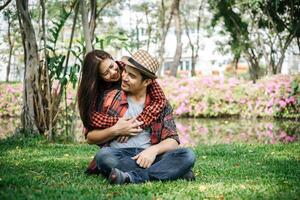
{"x": 152, "y": 154}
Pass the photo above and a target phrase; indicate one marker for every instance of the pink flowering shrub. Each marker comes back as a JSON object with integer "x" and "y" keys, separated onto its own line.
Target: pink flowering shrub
{"x": 289, "y": 107}
{"x": 10, "y": 99}
{"x": 212, "y": 96}
{"x": 205, "y": 96}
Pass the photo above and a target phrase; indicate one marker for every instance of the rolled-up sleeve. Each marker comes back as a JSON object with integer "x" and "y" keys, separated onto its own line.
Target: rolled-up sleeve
{"x": 169, "y": 129}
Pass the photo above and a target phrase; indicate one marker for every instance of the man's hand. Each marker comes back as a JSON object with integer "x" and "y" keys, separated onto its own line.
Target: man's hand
{"x": 135, "y": 124}
{"x": 127, "y": 127}
{"x": 146, "y": 158}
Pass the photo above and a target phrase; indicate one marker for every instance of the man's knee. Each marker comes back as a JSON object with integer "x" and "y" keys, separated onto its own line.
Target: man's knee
{"x": 105, "y": 156}
{"x": 189, "y": 156}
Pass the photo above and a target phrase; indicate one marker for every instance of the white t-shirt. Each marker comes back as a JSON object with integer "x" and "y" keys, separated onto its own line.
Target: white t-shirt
{"x": 142, "y": 140}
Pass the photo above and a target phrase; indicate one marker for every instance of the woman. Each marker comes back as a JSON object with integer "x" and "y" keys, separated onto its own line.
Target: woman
{"x": 100, "y": 74}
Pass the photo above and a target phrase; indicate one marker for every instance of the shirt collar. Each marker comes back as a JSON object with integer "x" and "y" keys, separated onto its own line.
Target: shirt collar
{"x": 124, "y": 98}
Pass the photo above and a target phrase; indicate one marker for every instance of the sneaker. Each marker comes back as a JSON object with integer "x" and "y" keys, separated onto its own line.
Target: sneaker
{"x": 189, "y": 176}
{"x": 116, "y": 176}
{"x": 92, "y": 168}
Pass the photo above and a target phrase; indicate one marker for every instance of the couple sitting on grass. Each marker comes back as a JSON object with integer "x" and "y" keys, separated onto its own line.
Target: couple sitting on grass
{"x": 131, "y": 120}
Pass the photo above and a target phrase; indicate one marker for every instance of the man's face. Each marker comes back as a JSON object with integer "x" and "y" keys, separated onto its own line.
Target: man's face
{"x": 132, "y": 80}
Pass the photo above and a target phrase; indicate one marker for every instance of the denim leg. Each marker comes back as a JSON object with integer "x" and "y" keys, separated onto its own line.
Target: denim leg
{"x": 169, "y": 166}
{"x": 108, "y": 158}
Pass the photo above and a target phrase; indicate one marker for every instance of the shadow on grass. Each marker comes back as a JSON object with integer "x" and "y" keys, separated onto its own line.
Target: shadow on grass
{"x": 38, "y": 169}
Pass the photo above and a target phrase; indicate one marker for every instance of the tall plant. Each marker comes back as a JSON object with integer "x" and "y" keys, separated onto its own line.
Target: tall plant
{"x": 60, "y": 71}
{"x": 47, "y": 71}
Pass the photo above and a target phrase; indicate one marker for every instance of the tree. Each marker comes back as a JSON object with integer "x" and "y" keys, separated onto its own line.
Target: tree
{"x": 44, "y": 67}
{"x": 58, "y": 70}
{"x": 230, "y": 14}
{"x": 31, "y": 96}
{"x": 148, "y": 9}
{"x": 85, "y": 26}
{"x": 178, "y": 32}
{"x": 95, "y": 14}
{"x": 189, "y": 24}
{"x": 259, "y": 27}
{"x": 279, "y": 26}
{"x": 164, "y": 21}
{"x": 10, "y": 17}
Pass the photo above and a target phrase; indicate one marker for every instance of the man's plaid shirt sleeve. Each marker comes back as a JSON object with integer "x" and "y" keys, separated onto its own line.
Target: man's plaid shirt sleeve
{"x": 169, "y": 129}
{"x": 152, "y": 111}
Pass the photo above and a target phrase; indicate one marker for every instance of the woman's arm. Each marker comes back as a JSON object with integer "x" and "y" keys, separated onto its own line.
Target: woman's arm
{"x": 101, "y": 120}
{"x": 123, "y": 127}
{"x": 153, "y": 110}
{"x": 150, "y": 113}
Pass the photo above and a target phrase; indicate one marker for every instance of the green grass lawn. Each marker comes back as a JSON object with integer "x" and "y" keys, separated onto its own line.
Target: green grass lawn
{"x": 32, "y": 168}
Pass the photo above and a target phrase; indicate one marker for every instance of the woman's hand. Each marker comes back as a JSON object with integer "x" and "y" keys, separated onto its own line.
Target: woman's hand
{"x": 127, "y": 127}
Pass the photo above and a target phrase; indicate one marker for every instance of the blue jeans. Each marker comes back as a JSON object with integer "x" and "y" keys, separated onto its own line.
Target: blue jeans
{"x": 168, "y": 166}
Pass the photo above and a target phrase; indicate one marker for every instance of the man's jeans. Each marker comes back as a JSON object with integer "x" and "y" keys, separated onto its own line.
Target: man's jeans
{"x": 168, "y": 166}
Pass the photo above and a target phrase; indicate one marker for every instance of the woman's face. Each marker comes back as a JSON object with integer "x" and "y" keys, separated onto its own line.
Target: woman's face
{"x": 109, "y": 70}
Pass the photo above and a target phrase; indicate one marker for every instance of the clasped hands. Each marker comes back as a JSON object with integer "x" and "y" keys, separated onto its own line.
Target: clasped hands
{"x": 127, "y": 127}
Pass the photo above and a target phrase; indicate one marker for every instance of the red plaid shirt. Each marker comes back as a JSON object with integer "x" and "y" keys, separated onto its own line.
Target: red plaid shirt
{"x": 115, "y": 104}
{"x": 101, "y": 120}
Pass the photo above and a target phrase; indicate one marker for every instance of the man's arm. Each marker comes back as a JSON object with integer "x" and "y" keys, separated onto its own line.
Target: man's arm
{"x": 169, "y": 140}
{"x": 147, "y": 157}
{"x": 165, "y": 146}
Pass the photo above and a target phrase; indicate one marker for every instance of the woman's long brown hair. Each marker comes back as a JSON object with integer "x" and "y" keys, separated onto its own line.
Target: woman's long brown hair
{"x": 90, "y": 85}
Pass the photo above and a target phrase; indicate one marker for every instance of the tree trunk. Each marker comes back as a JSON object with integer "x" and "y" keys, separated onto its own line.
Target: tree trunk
{"x": 137, "y": 34}
{"x": 178, "y": 32}
{"x": 253, "y": 63}
{"x": 195, "y": 51}
{"x": 194, "y": 60}
{"x": 10, "y": 51}
{"x": 196, "y": 56}
{"x": 278, "y": 66}
{"x": 98, "y": 12}
{"x": 235, "y": 63}
{"x": 31, "y": 73}
{"x": 265, "y": 54}
{"x": 149, "y": 29}
{"x": 165, "y": 28}
{"x": 47, "y": 85}
{"x": 92, "y": 23}
{"x": 85, "y": 26}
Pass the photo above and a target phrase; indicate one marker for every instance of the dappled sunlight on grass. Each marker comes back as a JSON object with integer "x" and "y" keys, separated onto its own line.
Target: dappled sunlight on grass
{"x": 34, "y": 168}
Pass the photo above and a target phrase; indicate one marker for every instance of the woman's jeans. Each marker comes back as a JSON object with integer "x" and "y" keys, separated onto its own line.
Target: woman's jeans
{"x": 168, "y": 166}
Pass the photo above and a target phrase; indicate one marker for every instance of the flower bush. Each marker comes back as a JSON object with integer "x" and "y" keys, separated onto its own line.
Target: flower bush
{"x": 221, "y": 97}
{"x": 206, "y": 96}
{"x": 10, "y": 99}
{"x": 289, "y": 107}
